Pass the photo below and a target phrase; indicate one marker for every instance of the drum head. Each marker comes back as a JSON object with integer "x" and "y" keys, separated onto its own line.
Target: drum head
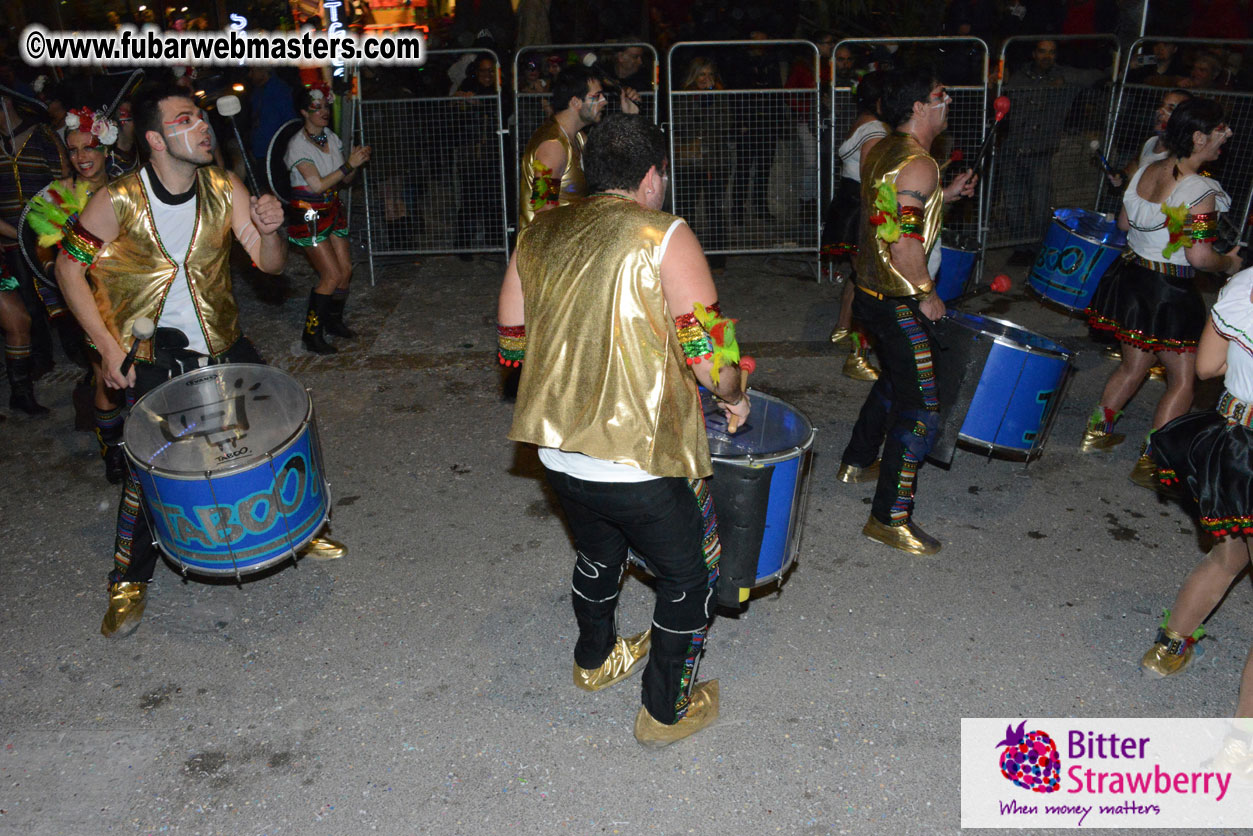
{"x": 1008, "y": 332}
{"x": 216, "y": 419}
{"x": 1092, "y": 226}
{"x": 275, "y": 168}
{"x": 773, "y": 428}
{"x": 39, "y": 259}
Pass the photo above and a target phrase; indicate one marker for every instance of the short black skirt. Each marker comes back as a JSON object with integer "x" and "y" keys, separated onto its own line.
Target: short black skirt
{"x": 1150, "y": 310}
{"x": 1211, "y": 457}
{"x": 843, "y": 221}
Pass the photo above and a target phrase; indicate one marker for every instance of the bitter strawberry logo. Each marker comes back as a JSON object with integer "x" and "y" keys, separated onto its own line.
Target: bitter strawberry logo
{"x": 1030, "y": 759}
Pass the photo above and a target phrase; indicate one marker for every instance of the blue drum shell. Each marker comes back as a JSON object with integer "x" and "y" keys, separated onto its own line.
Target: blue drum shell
{"x": 243, "y": 521}
{"x": 957, "y": 261}
{"x": 759, "y": 486}
{"x": 1079, "y": 248}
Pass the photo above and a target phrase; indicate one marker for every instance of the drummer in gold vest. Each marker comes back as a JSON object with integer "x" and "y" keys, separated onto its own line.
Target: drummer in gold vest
{"x": 158, "y": 244}
{"x": 609, "y": 306}
{"x": 902, "y": 211}
{"x": 552, "y": 164}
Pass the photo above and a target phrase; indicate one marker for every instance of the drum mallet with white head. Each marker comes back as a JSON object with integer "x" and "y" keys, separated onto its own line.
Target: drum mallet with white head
{"x": 230, "y": 107}
{"x": 141, "y": 329}
{"x": 1095, "y": 145}
{"x": 747, "y": 366}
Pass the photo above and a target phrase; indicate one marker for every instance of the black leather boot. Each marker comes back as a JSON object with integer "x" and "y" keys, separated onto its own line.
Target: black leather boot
{"x": 335, "y": 317}
{"x": 22, "y": 388}
{"x": 314, "y": 336}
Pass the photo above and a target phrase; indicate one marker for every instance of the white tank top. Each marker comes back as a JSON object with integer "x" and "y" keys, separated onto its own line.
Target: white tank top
{"x": 175, "y": 225}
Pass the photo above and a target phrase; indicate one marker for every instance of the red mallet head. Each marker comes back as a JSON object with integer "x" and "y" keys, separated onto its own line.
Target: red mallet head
{"x": 1001, "y": 106}
{"x": 957, "y": 155}
{"x": 748, "y": 365}
{"x": 1001, "y": 283}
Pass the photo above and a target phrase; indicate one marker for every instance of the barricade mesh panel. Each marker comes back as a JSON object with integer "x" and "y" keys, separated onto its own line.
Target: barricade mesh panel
{"x": 434, "y": 181}
{"x": 744, "y": 162}
{"x": 1044, "y": 158}
{"x": 1234, "y": 169}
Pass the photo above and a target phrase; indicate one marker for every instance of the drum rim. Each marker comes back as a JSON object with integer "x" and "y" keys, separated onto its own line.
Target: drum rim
{"x": 1082, "y": 237}
{"x": 776, "y": 456}
{"x": 1065, "y": 353}
{"x": 21, "y": 223}
{"x": 232, "y": 468}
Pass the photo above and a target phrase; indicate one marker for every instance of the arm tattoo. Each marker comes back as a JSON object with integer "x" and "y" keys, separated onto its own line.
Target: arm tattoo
{"x": 919, "y": 195}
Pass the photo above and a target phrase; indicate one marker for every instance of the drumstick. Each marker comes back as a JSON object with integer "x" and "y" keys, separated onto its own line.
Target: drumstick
{"x": 954, "y": 157}
{"x": 1095, "y": 145}
{"x": 1001, "y": 107}
{"x": 747, "y": 366}
{"x": 141, "y": 329}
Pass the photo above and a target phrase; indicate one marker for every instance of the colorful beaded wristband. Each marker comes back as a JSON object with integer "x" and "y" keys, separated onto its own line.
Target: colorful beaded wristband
{"x": 511, "y": 340}
{"x": 81, "y": 245}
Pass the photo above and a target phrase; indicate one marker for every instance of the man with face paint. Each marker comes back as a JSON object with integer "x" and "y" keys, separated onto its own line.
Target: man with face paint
{"x": 896, "y": 302}
{"x": 552, "y": 164}
{"x": 158, "y": 243}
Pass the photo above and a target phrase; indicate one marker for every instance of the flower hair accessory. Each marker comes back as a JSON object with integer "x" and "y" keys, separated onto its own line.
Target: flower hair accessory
{"x": 320, "y": 93}
{"x": 103, "y": 130}
{"x": 39, "y": 84}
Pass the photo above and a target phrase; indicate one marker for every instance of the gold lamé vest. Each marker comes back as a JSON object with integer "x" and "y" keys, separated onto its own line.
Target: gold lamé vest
{"x": 604, "y": 374}
{"x": 572, "y": 185}
{"x": 132, "y": 275}
{"x": 884, "y": 162}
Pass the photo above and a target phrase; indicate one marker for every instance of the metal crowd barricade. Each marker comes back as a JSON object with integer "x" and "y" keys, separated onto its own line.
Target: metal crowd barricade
{"x": 531, "y": 107}
{"x": 962, "y": 66}
{"x": 1134, "y": 119}
{"x": 744, "y": 156}
{"x": 1043, "y": 158}
{"x": 436, "y": 179}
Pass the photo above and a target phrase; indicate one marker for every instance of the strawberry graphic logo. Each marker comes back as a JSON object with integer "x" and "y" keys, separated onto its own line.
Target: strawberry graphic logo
{"x": 1030, "y": 759}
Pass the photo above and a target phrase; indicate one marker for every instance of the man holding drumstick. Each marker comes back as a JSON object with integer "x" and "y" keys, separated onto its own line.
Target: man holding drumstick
{"x": 902, "y": 210}
{"x": 157, "y": 243}
{"x": 611, "y": 302}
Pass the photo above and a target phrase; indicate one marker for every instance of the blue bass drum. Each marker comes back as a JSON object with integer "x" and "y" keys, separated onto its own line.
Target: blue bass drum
{"x": 1015, "y": 399}
{"x": 957, "y": 261}
{"x": 231, "y": 468}
{"x": 1079, "y": 247}
{"x": 760, "y": 486}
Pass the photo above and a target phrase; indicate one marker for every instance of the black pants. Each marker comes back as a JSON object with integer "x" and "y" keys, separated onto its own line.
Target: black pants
{"x": 662, "y": 521}
{"x": 134, "y": 553}
{"x": 902, "y": 411}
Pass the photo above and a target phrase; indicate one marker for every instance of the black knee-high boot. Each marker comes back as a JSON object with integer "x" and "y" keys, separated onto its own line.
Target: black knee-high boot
{"x": 335, "y": 325}
{"x": 109, "y": 434}
{"x": 21, "y": 387}
{"x": 314, "y": 336}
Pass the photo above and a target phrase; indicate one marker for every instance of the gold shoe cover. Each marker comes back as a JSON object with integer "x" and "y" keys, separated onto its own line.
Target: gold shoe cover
{"x": 854, "y": 475}
{"x": 702, "y": 710}
{"x": 858, "y": 368}
{"x": 1158, "y": 372}
{"x": 840, "y": 334}
{"x": 908, "y": 537}
{"x": 623, "y": 661}
{"x": 1098, "y": 439}
{"x": 1161, "y": 661}
{"x": 126, "y": 607}
{"x": 324, "y": 548}
{"x": 1144, "y": 473}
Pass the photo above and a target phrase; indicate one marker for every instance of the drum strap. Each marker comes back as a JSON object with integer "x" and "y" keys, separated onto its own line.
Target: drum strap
{"x": 1235, "y": 410}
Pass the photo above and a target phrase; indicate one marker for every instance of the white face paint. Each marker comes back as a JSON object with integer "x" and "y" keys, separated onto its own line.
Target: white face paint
{"x": 186, "y": 132}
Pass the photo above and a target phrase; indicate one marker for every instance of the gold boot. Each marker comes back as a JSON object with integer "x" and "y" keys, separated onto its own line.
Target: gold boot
{"x": 127, "y": 600}
{"x": 854, "y": 475}
{"x": 1170, "y": 654}
{"x": 324, "y": 548}
{"x": 1095, "y": 438}
{"x": 1158, "y": 372}
{"x": 1144, "y": 473}
{"x": 701, "y": 711}
{"x": 623, "y": 661}
{"x": 908, "y": 537}
{"x": 858, "y": 367}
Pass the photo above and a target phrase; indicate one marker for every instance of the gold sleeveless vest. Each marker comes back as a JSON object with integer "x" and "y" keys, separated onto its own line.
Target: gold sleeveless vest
{"x": 604, "y": 374}
{"x": 132, "y": 275}
{"x": 884, "y": 162}
{"x": 572, "y": 184}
